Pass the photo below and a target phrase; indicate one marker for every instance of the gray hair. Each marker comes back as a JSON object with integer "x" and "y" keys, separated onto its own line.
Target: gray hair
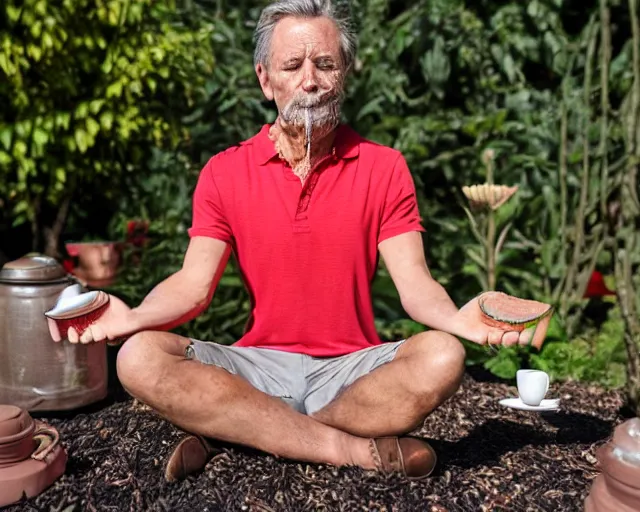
{"x": 279, "y": 9}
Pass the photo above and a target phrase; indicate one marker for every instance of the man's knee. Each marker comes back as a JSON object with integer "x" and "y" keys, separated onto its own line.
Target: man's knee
{"x": 139, "y": 362}
{"x": 440, "y": 357}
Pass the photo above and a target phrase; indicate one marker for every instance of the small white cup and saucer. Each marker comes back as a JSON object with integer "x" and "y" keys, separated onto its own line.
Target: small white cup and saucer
{"x": 533, "y": 385}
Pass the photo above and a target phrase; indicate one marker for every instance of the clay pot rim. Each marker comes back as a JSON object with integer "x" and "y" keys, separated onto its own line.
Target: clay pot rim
{"x": 17, "y": 446}
{"x": 615, "y": 468}
{"x": 18, "y": 436}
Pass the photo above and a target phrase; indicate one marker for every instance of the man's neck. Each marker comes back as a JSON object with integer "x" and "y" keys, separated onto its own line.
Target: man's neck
{"x": 322, "y": 146}
{"x": 291, "y": 144}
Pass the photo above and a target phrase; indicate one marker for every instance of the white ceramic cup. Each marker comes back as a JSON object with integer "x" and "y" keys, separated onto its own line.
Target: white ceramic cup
{"x": 532, "y": 386}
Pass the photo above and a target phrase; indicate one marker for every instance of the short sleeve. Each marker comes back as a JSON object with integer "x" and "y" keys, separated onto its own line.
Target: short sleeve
{"x": 400, "y": 213}
{"x": 209, "y": 218}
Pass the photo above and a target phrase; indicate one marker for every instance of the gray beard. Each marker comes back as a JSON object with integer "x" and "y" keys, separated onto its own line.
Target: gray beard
{"x": 314, "y": 114}
{"x": 319, "y": 116}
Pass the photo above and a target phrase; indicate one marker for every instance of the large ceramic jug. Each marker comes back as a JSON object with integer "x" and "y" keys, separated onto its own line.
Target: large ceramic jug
{"x": 36, "y": 373}
{"x": 617, "y": 487}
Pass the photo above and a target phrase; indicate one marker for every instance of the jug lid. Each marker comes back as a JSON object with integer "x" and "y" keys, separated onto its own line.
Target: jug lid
{"x": 32, "y": 267}
{"x": 13, "y": 420}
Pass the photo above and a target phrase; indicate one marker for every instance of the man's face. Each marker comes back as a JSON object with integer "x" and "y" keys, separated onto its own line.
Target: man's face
{"x": 305, "y": 74}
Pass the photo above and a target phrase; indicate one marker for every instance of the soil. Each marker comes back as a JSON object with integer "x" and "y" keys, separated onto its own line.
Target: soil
{"x": 490, "y": 458}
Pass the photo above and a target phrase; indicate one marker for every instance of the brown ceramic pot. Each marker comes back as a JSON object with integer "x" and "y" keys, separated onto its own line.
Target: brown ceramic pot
{"x": 617, "y": 487}
{"x": 31, "y": 457}
{"x": 98, "y": 262}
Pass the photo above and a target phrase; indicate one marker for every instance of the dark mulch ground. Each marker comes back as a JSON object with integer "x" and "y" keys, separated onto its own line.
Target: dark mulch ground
{"x": 492, "y": 458}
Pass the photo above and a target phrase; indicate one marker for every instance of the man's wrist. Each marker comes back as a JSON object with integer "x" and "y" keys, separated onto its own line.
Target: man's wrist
{"x": 134, "y": 321}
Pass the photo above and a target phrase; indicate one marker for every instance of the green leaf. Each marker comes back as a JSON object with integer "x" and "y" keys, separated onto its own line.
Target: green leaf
{"x": 19, "y": 219}
{"x": 509, "y": 67}
{"x": 106, "y": 120}
{"x": 40, "y": 136}
{"x": 96, "y": 105}
{"x": 81, "y": 140}
{"x": 6, "y": 65}
{"x": 82, "y": 110}
{"x": 505, "y": 365}
{"x": 92, "y": 126}
{"x": 35, "y": 52}
{"x": 36, "y": 29}
{"x": 13, "y": 13}
{"x": 5, "y": 137}
{"x": 19, "y": 149}
{"x": 21, "y": 207}
{"x": 114, "y": 90}
{"x": 47, "y": 40}
{"x": 62, "y": 120}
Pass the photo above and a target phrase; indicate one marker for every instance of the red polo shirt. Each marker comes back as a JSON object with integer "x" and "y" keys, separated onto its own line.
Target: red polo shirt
{"x": 307, "y": 253}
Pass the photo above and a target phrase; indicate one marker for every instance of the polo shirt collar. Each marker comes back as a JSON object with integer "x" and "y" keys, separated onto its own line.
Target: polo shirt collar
{"x": 346, "y": 144}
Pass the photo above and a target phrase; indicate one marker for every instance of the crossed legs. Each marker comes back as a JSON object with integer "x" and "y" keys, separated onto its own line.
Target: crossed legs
{"x": 209, "y": 401}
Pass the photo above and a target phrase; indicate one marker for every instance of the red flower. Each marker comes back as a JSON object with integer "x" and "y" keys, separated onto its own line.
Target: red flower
{"x": 597, "y": 287}
{"x": 137, "y": 231}
{"x": 68, "y": 265}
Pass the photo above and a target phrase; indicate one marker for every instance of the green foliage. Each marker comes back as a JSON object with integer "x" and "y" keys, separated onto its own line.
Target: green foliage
{"x": 442, "y": 82}
{"x": 86, "y": 90}
{"x": 597, "y": 356}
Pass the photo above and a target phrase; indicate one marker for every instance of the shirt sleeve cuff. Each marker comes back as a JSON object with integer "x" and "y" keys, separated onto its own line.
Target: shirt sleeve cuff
{"x": 211, "y": 233}
{"x": 399, "y": 230}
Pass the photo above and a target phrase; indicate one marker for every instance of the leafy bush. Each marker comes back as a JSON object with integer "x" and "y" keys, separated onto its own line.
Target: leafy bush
{"x": 598, "y": 355}
{"x": 86, "y": 90}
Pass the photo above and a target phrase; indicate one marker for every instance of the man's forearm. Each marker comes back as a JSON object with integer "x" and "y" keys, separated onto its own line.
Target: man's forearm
{"x": 428, "y": 303}
{"x": 174, "y": 301}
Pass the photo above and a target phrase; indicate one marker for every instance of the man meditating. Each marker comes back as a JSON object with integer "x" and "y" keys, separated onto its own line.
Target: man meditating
{"x": 306, "y": 205}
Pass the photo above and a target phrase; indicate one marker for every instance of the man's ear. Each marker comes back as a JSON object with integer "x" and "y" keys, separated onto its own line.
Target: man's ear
{"x": 265, "y": 83}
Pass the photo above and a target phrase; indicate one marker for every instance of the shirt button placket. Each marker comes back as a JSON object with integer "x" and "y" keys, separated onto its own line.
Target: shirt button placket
{"x": 301, "y": 224}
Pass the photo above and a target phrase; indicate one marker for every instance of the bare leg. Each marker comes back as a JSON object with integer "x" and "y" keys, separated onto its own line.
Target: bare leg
{"x": 211, "y": 402}
{"x": 396, "y": 397}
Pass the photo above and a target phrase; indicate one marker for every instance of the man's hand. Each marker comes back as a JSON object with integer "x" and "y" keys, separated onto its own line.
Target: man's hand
{"x": 469, "y": 325}
{"x": 116, "y": 322}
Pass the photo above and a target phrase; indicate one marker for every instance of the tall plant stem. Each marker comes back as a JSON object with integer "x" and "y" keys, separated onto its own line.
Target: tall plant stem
{"x": 491, "y": 252}
{"x": 578, "y": 234}
{"x": 563, "y": 173}
{"x": 491, "y": 236}
{"x": 605, "y": 60}
{"x": 564, "y": 127}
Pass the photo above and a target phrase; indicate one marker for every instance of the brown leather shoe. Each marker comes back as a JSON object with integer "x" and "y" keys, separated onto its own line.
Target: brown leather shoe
{"x": 412, "y": 457}
{"x": 189, "y": 456}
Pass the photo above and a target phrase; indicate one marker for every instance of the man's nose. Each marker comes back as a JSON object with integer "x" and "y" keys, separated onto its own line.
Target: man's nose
{"x": 309, "y": 81}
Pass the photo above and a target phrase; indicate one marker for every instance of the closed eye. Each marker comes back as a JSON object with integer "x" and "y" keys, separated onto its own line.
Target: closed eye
{"x": 325, "y": 63}
{"x": 291, "y": 65}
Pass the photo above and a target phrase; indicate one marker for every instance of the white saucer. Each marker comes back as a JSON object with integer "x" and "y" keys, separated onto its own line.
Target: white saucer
{"x": 546, "y": 405}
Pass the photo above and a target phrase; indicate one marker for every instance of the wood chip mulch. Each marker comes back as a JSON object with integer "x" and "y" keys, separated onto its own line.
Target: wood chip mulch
{"x": 490, "y": 458}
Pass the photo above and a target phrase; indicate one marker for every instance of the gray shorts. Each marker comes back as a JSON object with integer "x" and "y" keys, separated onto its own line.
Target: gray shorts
{"x": 304, "y": 382}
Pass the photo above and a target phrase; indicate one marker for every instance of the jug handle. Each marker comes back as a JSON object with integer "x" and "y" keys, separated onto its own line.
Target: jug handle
{"x": 83, "y": 284}
{"x": 47, "y": 439}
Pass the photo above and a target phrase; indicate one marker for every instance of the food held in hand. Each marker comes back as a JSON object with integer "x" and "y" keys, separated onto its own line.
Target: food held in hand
{"x": 78, "y": 311}
{"x": 512, "y": 313}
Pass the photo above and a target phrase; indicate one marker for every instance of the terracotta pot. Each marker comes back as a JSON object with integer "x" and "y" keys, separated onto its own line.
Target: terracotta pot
{"x": 617, "y": 487}
{"x": 31, "y": 457}
{"x": 98, "y": 262}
